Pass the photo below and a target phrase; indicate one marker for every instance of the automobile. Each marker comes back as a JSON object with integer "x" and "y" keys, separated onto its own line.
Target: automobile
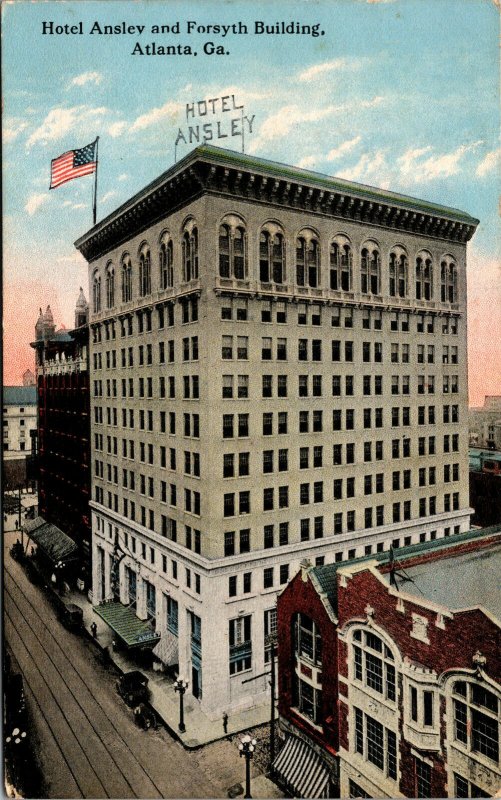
{"x": 144, "y": 717}
{"x": 72, "y": 616}
{"x": 133, "y": 688}
{"x": 17, "y": 551}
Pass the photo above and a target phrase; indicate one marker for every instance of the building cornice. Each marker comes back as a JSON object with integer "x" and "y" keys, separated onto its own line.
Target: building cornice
{"x": 214, "y": 171}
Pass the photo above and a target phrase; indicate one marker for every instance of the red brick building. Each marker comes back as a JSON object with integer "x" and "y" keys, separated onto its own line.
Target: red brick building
{"x": 389, "y": 673}
{"x": 63, "y": 396}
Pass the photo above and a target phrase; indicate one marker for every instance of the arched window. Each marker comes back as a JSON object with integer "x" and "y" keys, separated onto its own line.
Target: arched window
{"x": 110, "y": 286}
{"x": 398, "y": 269}
{"x": 476, "y": 718}
{"x": 307, "y": 260}
{"x": 370, "y": 269}
{"x": 374, "y": 664}
{"x": 166, "y": 263}
{"x": 449, "y": 280}
{"x": 144, "y": 272}
{"x": 424, "y": 276}
{"x": 96, "y": 293}
{"x": 341, "y": 262}
{"x": 272, "y": 255}
{"x": 190, "y": 251}
{"x": 232, "y": 248}
{"x": 126, "y": 279}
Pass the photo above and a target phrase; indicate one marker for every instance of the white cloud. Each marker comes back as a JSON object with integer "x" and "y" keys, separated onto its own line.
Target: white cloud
{"x": 489, "y": 163}
{"x": 279, "y": 124}
{"x": 329, "y": 66}
{"x": 12, "y": 129}
{"x": 72, "y": 205}
{"x": 108, "y": 196}
{"x": 123, "y": 177}
{"x": 34, "y": 202}
{"x": 117, "y": 128}
{"x": 418, "y": 170}
{"x": 371, "y": 168}
{"x": 342, "y": 149}
{"x": 155, "y": 115}
{"x": 86, "y": 77}
{"x": 308, "y": 162}
{"x": 60, "y": 121}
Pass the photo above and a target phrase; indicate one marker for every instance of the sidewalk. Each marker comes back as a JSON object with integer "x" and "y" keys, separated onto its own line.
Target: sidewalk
{"x": 200, "y": 730}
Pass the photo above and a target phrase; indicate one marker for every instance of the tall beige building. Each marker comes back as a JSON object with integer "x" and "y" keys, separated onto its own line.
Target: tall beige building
{"x": 278, "y": 371}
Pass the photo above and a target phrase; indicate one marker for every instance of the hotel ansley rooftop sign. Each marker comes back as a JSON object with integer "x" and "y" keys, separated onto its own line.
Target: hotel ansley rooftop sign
{"x": 202, "y": 125}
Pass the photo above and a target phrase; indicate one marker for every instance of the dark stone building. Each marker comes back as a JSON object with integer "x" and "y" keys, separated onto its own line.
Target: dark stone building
{"x": 62, "y": 372}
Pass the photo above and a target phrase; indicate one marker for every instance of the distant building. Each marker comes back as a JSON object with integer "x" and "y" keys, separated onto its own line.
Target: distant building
{"x": 19, "y": 419}
{"x": 485, "y": 486}
{"x": 485, "y": 424}
{"x": 64, "y": 428}
{"x": 389, "y": 673}
{"x": 28, "y": 378}
{"x": 278, "y": 371}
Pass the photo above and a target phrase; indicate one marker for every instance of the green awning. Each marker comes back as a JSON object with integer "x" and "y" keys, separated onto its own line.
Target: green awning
{"x": 51, "y": 540}
{"x": 122, "y": 620}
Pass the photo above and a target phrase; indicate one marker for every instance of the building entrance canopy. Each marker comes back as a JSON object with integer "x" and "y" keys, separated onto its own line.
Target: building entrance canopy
{"x": 134, "y": 632}
{"x": 51, "y": 541}
{"x": 301, "y": 769}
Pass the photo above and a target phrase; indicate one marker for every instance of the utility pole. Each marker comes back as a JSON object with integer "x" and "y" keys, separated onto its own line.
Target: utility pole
{"x": 271, "y": 641}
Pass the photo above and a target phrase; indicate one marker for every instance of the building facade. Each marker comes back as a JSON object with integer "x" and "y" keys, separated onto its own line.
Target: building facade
{"x": 485, "y": 424}
{"x": 389, "y": 673}
{"x": 19, "y": 419}
{"x": 63, "y": 458}
{"x": 278, "y": 370}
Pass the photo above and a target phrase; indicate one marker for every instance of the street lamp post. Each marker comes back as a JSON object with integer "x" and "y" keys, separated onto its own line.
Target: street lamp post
{"x": 247, "y": 746}
{"x": 180, "y": 686}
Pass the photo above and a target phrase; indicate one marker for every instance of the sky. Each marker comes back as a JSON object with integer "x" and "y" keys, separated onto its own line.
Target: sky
{"x": 400, "y": 94}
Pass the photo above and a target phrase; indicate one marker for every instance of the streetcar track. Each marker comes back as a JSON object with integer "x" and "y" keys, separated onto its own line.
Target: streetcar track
{"x": 37, "y": 671}
{"x": 33, "y": 702}
{"x": 118, "y": 738}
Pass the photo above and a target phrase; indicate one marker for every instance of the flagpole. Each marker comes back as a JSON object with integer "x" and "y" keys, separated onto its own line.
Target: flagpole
{"x": 94, "y": 208}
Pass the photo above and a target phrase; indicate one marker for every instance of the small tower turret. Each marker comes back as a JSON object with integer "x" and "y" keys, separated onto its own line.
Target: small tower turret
{"x": 39, "y": 327}
{"x": 48, "y": 320}
{"x": 81, "y": 310}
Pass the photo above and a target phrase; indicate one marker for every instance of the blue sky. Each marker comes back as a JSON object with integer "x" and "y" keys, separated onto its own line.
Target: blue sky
{"x": 402, "y": 94}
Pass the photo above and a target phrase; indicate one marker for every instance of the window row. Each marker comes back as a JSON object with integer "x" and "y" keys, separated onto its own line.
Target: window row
{"x": 307, "y": 268}
{"x": 130, "y": 280}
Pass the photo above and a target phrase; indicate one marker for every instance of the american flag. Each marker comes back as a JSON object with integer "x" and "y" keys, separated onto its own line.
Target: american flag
{"x": 73, "y": 164}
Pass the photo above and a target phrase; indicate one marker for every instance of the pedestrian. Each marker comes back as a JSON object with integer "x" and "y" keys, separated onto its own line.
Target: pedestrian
{"x": 17, "y": 524}
{"x": 93, "y": 630}
{"x": 225, "y": 723}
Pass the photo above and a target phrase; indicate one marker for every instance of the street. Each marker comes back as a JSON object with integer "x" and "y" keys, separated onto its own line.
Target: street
{"x": 88, "y": 745}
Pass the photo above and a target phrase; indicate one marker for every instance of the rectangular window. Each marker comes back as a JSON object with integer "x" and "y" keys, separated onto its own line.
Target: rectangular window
{"x": 423, "y": 778}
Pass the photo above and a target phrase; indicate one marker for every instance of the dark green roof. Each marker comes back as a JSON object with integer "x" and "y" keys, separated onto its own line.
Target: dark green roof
{"x": 328, "y": 182}
{"x": 325, "y": 577}
{"x": 51, "y": 540}
{"x": 19, "y": 395}
{"x": 122, "y": 620}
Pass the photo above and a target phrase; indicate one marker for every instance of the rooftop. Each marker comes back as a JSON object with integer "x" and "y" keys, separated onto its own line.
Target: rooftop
{"x": 443, "y": 559}
{"x": 468, "y": 579}
{"x": 214, "y": 169}
{"x": 19, "y": 395}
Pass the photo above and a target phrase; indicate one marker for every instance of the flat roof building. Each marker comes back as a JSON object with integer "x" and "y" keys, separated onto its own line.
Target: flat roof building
{"x": 278, "y": 371}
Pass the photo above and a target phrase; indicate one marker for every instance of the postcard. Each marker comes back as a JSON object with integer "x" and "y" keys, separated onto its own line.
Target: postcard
{"x": 251, "y": 288}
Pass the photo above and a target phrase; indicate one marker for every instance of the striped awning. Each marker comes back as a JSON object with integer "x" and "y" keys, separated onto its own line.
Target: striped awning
{"x": 304, "y": 772}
